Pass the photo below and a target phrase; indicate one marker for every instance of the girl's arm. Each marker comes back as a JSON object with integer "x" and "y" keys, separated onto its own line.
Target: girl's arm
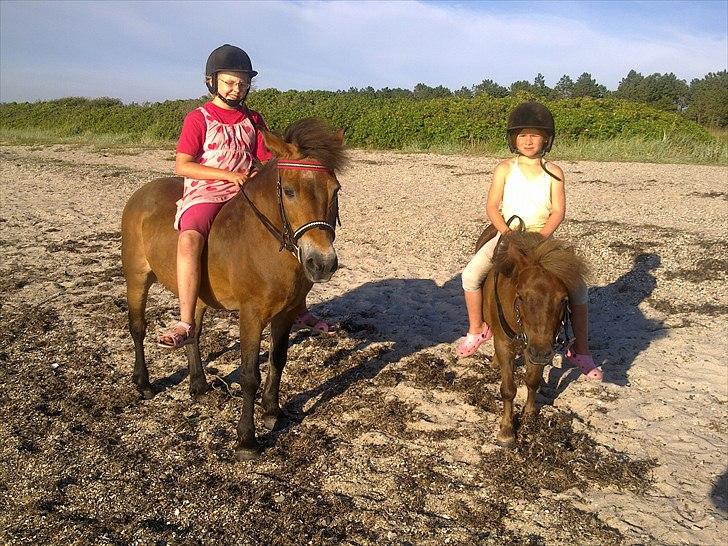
{"x": 185, "y": 165}
{"x": 558, "y": 202}
{"x": 495, "y": 197}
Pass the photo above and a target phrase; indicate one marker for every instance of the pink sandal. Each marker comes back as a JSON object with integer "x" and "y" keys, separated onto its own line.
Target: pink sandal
{"x": 586, "y": 364}
{"x": 176, "y": 336}
{"x": 309, "y": 321}
{"x": 469, "y": 344}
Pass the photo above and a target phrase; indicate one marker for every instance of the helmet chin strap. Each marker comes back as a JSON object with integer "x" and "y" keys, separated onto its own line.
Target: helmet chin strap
{"x": 543, "y": 165}
{"x": 232, "y": 103}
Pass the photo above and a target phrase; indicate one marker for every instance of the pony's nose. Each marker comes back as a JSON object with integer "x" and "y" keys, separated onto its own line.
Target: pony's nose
{"x": 537, "y": 356}
{"x": 320, "y": 268}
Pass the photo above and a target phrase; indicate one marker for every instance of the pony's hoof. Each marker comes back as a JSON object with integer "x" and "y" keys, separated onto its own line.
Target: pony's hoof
{"x": 508, "y": 442}
{"x": 270, "y": 420}
{"x": 243, "y": 454}
{"x": 146, "y": 391}
{"x": 199, "y": 389}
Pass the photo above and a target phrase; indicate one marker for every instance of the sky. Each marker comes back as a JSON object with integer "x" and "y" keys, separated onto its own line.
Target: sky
{"x": 152, "y": 51}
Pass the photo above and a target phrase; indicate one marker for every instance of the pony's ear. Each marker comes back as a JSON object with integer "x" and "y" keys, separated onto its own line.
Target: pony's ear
{"x": 340, "y": 136}
{"x": 278, "y": 146}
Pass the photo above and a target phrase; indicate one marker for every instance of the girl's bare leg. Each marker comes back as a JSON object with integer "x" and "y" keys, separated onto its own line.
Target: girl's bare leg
{"x": 474, "y": 305}
{"x": 189, "y": 250}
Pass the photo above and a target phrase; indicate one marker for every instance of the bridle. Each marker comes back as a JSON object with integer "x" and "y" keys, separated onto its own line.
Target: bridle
{"x": 520, "y": 339}
{"x": 288, "y": 237}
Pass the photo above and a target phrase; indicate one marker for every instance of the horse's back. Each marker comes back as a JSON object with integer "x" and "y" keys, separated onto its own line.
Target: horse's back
{"x": 156, "y": 197}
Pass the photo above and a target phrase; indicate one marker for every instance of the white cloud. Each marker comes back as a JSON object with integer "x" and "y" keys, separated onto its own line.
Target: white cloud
{"x": 153, "y": 50}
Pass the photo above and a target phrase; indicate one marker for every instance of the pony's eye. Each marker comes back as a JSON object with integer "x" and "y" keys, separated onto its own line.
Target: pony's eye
{"x": 289, "y": 192}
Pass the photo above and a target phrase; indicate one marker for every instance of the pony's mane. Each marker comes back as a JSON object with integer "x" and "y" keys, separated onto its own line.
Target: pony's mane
{"x": 555, "y": 256}
{"x": 317, "y": 140}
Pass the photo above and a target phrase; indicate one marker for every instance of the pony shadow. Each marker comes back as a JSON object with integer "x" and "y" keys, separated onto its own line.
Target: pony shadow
{"x": 163, "y": 383}
{"x": 411, "y": 314}
{"x": 619, "y": 329}
{"x": 719, "y": 492}
{"x": 556, "y": 382}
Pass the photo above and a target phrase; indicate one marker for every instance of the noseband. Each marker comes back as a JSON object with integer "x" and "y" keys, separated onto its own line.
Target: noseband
{"x": 288, "y": 238}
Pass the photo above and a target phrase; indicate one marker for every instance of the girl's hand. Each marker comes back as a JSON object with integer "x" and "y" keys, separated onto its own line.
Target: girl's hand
{"x": 237, "y": 178}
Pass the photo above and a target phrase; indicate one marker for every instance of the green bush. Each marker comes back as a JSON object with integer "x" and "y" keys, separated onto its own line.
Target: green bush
{"x": 370, "y": 121}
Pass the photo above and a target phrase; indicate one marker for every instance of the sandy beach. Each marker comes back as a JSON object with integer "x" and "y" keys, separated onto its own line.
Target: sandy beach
{"x": 393, "y": 442}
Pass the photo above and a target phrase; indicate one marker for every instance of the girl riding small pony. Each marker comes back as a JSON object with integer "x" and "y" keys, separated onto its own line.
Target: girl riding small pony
{"x": 217, "y": 149}
{"x": 532, "y": 190}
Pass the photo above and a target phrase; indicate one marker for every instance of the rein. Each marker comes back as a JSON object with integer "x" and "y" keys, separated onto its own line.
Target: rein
{"x": 288, "y": 238}
{"x": 562, "y": 340}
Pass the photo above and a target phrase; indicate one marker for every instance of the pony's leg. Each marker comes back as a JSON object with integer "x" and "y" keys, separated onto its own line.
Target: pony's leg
{"x": 247, "y": 447}
{"x": 505, "y": 357}
{"x": 137, "y": 289}
{"x": 198, "y": 383}
{"x": 280, "y": 328}
{"x": 534, "y": 375}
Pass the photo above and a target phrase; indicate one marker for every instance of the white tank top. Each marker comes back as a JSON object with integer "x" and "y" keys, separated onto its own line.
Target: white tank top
{"x": 528, "y": 198}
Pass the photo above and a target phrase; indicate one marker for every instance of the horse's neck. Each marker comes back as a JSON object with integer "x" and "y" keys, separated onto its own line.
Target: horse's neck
{"x": 262, "y": 185}
{"x": 260, "y": 189}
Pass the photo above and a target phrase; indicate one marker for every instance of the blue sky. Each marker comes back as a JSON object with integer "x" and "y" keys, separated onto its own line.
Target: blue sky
{"x": 150, "y": 51}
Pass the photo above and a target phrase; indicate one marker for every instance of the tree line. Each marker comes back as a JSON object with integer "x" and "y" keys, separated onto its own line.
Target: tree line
{"x": 704, "y": 100}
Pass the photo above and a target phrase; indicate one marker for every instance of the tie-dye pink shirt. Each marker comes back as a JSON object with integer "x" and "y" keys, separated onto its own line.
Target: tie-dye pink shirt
{"x": 225, "y": 139}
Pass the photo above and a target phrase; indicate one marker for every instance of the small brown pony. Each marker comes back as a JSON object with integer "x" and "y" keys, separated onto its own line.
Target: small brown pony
{"x": 525, "y": 302}
{"x": 266, "y": 248}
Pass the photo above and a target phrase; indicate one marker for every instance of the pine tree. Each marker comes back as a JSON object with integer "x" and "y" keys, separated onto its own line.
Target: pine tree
{"x": 586, "y": 86}
{"x": 564, "y": 89}
{"x": 709, "y": 99}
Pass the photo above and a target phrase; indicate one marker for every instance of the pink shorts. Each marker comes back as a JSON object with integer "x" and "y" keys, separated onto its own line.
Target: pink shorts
{"x": 199, "y": 217}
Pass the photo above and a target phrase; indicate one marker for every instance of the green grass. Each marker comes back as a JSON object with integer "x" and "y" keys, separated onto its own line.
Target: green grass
{"x": 674, "y": 149}
{"x": 719, "y": 133}
{"x": 635, "y": 149}
{"x": 38, "y": 136}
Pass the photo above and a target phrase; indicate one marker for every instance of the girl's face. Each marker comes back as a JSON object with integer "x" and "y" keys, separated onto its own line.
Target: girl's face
{"x": 233, "y": 85}
{"x": 530, "y": 141}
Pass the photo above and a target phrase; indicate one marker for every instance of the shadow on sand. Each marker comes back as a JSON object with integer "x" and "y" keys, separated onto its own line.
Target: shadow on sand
{"x": 407, "y": 314}
{"x": 415, "y": 314}
{"x": 618, "y": 329}
{"x": 719, "y": 493}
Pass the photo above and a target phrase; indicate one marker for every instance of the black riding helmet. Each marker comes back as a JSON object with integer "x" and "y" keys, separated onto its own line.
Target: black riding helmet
{"x": 227, "y": 58}
{"x": 536, "y": 116}
{"x": 531, "y": 115}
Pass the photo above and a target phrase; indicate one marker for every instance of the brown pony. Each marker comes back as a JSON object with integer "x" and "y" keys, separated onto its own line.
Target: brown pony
{"x": 266, "y": 248}
{"x": 525, "y": 302}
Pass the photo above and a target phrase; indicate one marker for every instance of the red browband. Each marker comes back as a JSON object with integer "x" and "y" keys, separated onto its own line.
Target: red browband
{"x": 301, "y": 165}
